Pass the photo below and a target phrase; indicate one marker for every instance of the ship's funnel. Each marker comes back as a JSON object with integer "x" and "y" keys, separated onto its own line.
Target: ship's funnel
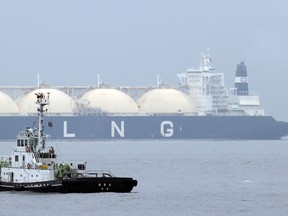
{"x": 241, "y": 79}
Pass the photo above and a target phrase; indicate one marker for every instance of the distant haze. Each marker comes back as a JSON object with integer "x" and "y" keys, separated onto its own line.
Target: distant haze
{"x": 129, "y": 42}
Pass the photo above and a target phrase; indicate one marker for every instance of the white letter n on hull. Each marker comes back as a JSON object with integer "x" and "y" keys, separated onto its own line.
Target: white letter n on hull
{"x": 120, "y": 130}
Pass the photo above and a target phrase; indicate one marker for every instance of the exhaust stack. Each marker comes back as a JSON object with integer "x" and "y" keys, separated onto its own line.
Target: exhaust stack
{"x": 241, "y": 79}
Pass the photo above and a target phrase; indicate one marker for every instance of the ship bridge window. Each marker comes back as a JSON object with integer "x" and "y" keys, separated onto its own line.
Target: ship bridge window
{"x": 26, "y": 142}
{"x": 16, "y": 158}
{"x": 22, "y": 143}
{"x": 18, "y": 142}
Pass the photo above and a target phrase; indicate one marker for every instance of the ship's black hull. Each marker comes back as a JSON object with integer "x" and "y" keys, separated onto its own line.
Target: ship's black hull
{"x": 98, "y": 127}
{"x": 75, "y": 185}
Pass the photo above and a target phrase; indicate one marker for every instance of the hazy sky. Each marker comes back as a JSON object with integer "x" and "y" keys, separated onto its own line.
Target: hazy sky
{"x": 129, "y": 42}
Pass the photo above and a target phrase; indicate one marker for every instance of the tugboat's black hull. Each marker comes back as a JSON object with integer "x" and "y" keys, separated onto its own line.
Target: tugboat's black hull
{"x": 93, "y": 185}
{"x": 74, "y": 185}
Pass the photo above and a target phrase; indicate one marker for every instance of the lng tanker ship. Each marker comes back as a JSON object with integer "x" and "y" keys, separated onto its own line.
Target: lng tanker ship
{"x": 201, "y": 107}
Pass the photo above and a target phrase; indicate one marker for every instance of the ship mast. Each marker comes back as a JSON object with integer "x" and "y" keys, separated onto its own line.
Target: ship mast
{"x": 206, "y": 61}
{"x": 41, "y": 101}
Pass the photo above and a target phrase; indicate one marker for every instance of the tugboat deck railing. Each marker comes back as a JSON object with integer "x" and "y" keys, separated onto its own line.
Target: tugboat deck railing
{"x": 95, "y": 173}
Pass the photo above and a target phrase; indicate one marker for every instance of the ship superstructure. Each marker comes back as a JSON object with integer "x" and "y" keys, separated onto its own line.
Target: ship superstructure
{"x": 30, "y": 161}
{"x": 206, "y": 88}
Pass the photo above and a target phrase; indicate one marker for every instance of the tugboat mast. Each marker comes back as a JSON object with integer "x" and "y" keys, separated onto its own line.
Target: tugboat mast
{"x": 41, "y": 101}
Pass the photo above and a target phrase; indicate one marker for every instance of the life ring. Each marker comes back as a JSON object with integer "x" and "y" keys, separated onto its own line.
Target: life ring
{"x": 27, "y": 148}
{"x": 28, "y": 166}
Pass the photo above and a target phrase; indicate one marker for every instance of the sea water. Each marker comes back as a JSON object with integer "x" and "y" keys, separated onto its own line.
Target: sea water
{"x": 174, "y": 178}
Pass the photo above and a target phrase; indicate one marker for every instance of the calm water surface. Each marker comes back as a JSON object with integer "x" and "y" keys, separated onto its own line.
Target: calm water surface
{"x": 174, "y": 178}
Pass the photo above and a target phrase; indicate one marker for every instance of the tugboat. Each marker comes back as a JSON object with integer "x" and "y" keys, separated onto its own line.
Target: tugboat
{"x": 33, "y": 166}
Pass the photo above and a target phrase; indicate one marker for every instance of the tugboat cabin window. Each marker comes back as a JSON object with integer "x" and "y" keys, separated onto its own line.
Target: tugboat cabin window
{"x": 22, "y": 143}
{"x": 26, "y": 142}
{"x": 81, "y": 167}
{"x": 16, "y": 158}
{"x": 18, "y": 142}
